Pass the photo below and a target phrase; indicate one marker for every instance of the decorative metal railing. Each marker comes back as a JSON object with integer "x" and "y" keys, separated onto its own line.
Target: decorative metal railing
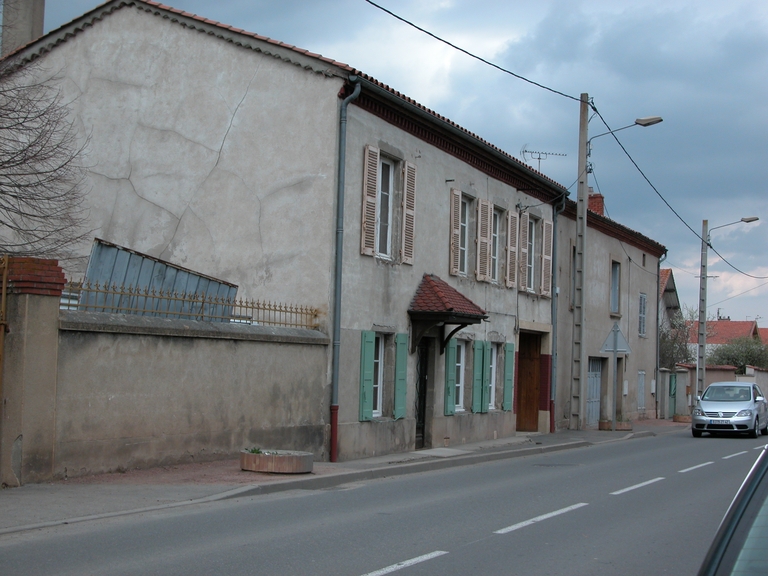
{"x": 86, "y": 296}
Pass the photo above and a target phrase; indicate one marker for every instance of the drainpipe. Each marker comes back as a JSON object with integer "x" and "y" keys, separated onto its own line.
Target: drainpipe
{"x": 338, "y": 268}
{"x": 556, "y": 209}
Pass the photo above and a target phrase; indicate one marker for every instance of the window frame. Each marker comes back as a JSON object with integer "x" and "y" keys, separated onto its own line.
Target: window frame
{"x": 460, "y": 368}
{"x": 463, "y": 246}
{"x": 642, "y": 314}
{"x": 493, "y": 362}
{"x": 384, "y": 217}
{"x": 615, "y": 288}
{"x": 378, "y": 375}
{"x": 493, "y": 270}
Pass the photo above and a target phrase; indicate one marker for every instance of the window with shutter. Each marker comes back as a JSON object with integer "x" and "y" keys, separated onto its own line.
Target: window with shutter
{"x": 368, "y": 342}
{"x": 495, "y": 225}
{"x": 370, "y": 193}
{"x": 484, "y": 216}
{"x": 509, "y": 376}
{"x": 641, "y": 321}
{"x": 546, "y": 260}
{"x": 401, "y": 374}
{"x": 409, "y": 212}
{"x": 525, "y": 241}
{"x": 511, "y": 275}
{"x": 455, "y": 247}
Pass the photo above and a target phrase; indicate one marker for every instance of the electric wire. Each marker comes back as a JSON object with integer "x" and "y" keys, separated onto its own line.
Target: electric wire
{"x": 470, "y": 54}
{"x": 591, "y": 105}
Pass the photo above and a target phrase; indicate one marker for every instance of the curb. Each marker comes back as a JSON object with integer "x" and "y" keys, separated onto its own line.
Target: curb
{"x": 333, "y": 480}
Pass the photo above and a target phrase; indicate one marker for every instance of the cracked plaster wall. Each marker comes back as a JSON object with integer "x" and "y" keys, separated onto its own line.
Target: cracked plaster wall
{"x": 205, "y": 154}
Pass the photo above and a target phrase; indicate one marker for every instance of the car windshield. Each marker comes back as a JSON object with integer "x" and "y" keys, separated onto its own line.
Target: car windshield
{"x": 727, "y": 394}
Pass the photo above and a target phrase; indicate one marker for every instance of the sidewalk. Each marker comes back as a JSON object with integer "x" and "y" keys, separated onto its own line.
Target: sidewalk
{"x": 79, "y": 499}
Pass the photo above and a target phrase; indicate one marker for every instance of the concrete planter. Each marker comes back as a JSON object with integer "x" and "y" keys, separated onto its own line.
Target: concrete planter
{"x": 620, "y": 425}
{"x": 277, "y": 461}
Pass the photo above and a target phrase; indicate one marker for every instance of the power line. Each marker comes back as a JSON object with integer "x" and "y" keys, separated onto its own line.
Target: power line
{"x": 470, "y": 54}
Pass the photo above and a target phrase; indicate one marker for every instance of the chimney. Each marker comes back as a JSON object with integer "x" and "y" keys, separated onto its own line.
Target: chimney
{"x": 22, "y": 22}
{"x": 596, "y": 202}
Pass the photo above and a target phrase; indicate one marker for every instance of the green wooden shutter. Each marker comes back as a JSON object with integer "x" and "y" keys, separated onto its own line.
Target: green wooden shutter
{"x": 477, "y": 376}
{"x": 450, "y": 378}
{"x": 401, "y": 373}
{"x": 485, "y": 396}
{"x": 509, "y": 376}
{"x": 368, "y": 341}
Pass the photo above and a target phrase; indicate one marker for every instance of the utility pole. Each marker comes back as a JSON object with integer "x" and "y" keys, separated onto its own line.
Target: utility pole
{"x": 701, "y": 366}
{"x": 579, "y": 352}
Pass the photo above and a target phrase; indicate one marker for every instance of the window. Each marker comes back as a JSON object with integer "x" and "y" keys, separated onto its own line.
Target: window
{"x": 460, "y": 355}
{"x": 535, "y": 256}
{"x": 495, "y": 223}
{"x": 460, "y": 213}
{"x": 378, "y": 374}
{"x": 381, "y": 175}
{"x": 384, "y": 207}
{"x": 615, "y": 281}
{"x": 641, "y": 314}
{"x": 377, "y": 377}
{"x": 492, "y": 376}
{"x": 529, "y": 248}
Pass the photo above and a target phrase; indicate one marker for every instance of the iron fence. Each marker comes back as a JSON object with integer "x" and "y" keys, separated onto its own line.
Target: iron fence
{"x": 95, "y": 297}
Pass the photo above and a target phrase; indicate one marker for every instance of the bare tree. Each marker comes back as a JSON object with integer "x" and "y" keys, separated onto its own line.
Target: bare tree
{"x": 41, "y": 178}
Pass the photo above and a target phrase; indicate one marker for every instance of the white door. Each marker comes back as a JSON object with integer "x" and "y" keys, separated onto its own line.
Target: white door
{"x": 594, "y": 381}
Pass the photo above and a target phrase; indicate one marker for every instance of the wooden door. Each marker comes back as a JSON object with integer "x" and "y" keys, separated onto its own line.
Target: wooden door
{"x": 529, "y": 374}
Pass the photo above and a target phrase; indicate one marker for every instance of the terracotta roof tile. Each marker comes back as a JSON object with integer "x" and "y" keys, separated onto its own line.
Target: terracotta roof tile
{"x": 435, "y": 295}
{"x": 723, "y": 331}
{"x": 664, "y": 275}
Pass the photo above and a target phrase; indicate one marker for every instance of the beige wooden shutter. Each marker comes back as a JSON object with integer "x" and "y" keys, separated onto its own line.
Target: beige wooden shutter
{"x": 370, "y": 185}
{"x": 523, "y": 259}
{"x": 409, "y": 212}
{"x": 546, "y": 260}
{"x": 455, "y": 230}
{"x": 511, "y": 249}
{"x": 484, "y": 215}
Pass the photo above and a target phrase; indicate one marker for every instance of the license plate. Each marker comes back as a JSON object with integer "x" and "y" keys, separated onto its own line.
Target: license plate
{"x": 719, "y": 421}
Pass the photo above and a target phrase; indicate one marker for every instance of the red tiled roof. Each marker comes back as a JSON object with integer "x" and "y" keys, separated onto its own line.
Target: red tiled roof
{"x": 763, "y": 334}
{"x": 723, "y": 331}
{"x": 434, "y": 295}
{"x": 664, "y": 275}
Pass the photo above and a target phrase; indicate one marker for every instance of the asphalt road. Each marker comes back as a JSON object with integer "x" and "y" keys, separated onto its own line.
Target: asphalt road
{"x": 645, "y": 506}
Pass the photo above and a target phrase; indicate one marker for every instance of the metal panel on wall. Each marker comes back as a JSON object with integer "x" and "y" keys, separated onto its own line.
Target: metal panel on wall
{"x": 112, "y": 265}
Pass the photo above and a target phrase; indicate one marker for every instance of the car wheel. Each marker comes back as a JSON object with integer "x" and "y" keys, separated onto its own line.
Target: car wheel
{"x": 764, "y": 431}
{"x": 753, "y": 432}
{"x": 696, "y": 433}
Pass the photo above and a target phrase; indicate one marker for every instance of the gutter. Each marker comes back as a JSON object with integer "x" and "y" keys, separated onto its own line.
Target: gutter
{"x": 462, "y": 134}
{"x": 334, "y": 448}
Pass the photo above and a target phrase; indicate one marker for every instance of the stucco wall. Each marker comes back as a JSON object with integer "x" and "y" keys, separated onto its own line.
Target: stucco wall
{"x": 636, "y": 278}
{"x": 137, "y": 399}
{"x": 203, "y": 153}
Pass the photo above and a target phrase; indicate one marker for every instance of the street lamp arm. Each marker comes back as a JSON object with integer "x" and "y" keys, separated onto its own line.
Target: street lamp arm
{"x": 646, "y": 121}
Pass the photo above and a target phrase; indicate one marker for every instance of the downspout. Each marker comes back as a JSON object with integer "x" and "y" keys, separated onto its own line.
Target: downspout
{"x": 556, "y": 209}
{"x": 334, "y": 449}
{"x": 658, "y": 326}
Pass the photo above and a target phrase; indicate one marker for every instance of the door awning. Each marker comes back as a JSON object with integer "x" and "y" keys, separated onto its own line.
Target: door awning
{"x": 436, "y": 304}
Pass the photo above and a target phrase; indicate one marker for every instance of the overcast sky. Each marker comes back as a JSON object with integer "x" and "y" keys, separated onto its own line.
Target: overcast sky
{"x": 700, "y": 64}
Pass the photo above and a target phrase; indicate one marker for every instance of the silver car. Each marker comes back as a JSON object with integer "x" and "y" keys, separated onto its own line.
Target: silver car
{"x": 730, "y": 407}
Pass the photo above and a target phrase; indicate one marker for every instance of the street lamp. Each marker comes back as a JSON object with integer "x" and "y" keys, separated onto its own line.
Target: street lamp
{"x": 701, "y": 367}
{"x": 579, "y": 352}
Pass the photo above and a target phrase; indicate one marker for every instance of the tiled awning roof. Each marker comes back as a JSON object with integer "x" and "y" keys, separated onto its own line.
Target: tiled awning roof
{"x": 434, "y": 296}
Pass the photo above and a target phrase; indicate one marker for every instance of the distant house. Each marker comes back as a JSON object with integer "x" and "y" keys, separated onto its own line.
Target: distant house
{"x": 721, "y": 332}
{"x": 669, "y": 302}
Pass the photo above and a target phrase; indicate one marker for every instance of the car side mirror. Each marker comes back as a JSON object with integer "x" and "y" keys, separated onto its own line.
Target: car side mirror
{"x": 759, "y": 399}
{"x": 698, "y": 397}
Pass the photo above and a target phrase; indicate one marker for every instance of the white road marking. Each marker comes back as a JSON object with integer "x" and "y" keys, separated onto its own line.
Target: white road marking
{"x": 406, "y": 563}
{"x": 695, "y": 467}
{"x": 539, "y": 518}
{"x": 636, "y": 486}
{"x": 737, "y": 454}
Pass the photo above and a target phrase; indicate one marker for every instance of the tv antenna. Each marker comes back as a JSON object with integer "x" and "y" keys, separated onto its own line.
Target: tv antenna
{"x": 538, "y": 156}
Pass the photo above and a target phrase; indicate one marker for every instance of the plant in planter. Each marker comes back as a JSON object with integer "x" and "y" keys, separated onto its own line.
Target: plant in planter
{"x": 276, "y": 461}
